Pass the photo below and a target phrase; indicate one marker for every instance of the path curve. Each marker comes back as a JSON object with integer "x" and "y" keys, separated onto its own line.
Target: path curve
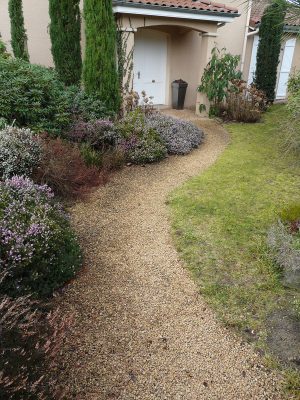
{"x": 142, "y": 330}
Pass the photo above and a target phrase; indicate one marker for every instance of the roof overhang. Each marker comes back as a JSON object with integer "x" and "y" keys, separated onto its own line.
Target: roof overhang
{"x": 158, "y": 11}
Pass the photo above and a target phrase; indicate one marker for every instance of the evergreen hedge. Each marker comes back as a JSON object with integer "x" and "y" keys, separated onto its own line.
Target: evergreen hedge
{"x": 65, "y": 28}
{"x": 100, "y": 69}
{"x": 18, "y": 32}
{"x": 270, "y": 35}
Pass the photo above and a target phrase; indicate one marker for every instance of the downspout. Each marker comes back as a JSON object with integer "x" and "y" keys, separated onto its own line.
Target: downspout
{"x": 246, "y": 35}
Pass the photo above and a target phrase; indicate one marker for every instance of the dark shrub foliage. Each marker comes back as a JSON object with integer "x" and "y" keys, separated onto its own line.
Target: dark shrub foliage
{"x": 270, "y": 34}
{"x": 65, "y": 38}
{"x": 64, "y": 170}
{"x": 18, "y": 33}
{"x": 38, "y": 250}
{"x": 244, "y": 103}
{"x": 86, "y": 107}
{"x": 30, "y": 343}
{"x": 179, "y": 136}
{"x": 100, "y": 69}
{"x": 32, "y": 96}
{"x": 100, "y": 134}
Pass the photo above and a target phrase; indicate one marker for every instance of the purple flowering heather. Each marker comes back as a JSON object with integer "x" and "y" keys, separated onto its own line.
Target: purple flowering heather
{"x": 20, "y": 151}
{"x": 180, "y": 136}
{"x": 33, "y": 229}
{"x": 100, "y": 134}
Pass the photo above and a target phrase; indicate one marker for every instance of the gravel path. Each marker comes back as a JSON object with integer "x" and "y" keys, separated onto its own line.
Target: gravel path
{"x": 142, "y": 330}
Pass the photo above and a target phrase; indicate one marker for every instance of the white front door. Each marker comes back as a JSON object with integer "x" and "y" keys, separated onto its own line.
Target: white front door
{"x": 285, "y": 68}
{"x": 150, "y": 64}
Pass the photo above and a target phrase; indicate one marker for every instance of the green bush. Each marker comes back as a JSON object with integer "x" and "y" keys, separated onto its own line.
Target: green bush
{"x": 32, "y": 96}
{"x": 291, "y": 126}
{"x": 140, "y": 143}
{"x": 86, "y": 107}
{"x": 38, "y": 250}
{"x": 291, "y": 213}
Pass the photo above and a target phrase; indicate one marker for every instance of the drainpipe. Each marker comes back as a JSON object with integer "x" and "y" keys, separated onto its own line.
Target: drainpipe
{"x": 246, "y": 35}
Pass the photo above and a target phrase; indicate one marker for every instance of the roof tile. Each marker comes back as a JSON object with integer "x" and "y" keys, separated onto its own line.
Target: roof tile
{"x": 199, "y": 5}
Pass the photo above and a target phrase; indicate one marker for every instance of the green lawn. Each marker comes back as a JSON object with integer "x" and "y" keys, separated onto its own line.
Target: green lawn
{"x": 221, "y": 218}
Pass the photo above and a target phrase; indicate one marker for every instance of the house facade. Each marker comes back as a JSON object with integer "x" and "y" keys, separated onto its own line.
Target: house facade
{"x": 171, "y": 39}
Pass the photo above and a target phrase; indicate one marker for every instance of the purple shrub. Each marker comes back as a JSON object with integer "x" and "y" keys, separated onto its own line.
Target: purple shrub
{"x": 37, "y": 247}
{"x": 179, "y": 136}
{"x": 140, "y": 143}
{"x": 20, "y": 151}
{"x": 100, "y": 134}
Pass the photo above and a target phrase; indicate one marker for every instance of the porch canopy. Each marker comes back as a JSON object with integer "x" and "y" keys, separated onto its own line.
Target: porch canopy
{"x": 168, "y": 40}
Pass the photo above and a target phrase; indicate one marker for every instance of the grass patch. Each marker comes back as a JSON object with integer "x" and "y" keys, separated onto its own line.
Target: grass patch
{"x": 221, "y": 218}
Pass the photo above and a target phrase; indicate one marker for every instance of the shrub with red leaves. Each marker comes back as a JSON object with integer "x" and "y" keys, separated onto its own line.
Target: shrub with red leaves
{"x": 64, "y": 170}
{"x": 30, "y": 344}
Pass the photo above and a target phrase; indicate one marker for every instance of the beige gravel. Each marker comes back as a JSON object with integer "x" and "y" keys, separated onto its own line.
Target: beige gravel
{"x": 142, "y": 330}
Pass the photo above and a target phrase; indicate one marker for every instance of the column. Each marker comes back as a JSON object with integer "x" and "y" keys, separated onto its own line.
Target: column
{"x": 208, "y": 43}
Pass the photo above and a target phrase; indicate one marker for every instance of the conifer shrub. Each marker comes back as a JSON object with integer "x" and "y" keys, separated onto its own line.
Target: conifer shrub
{"x": 38, "y": 250}
{"x": 65, "y": 37}
{"x": 18, "y": 32}
{"x": 270, "y": 35}
{"x": 100, "y": 69}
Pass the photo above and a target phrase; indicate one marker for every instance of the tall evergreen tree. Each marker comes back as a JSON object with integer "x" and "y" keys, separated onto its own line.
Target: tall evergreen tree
{"x": 270, "y": 35}
{"x": 65, "y": 28}
{"x": 100, "y": 66}
{"x": 18, "y": 32}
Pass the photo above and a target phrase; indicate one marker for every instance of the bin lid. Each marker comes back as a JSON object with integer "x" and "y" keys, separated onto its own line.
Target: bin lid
{"x": 180, "y": 82}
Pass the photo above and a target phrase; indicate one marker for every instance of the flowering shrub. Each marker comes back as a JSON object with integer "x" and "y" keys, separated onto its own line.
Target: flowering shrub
{"x": 179, "y": 136}
{"x": 140, "y": 142}
{"x": 20, "y": 152}
{"x": 63, "y": 169}
{"x": 100, "y": 134}
{"x": 37, "y": 247}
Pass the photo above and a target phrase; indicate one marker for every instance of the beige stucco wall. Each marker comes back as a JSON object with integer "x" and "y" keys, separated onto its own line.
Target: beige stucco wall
{"x": 231, "y": 36}
{"x": 185, "y": 62}
{"x": 37, "y": 20}
{"x": 296, "y": 58}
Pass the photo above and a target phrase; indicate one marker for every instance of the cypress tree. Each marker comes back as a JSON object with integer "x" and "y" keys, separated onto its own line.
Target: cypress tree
{"x": 65, "y": 28}
{"x": 18, "y": 32}
{"x": 100, "y": 66}
{"x": 270, "y": 35}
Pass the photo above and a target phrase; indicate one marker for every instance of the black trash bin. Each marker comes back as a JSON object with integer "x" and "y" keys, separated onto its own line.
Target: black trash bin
{"x": 178, "y": 94}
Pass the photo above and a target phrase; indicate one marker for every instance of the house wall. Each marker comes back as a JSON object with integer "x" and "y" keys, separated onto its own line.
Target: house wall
{"x": 231, "y": 36}
{"x": 296, "y": 58}
{"x": 36, "y": 20}
{"x": 186, "y": 52}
